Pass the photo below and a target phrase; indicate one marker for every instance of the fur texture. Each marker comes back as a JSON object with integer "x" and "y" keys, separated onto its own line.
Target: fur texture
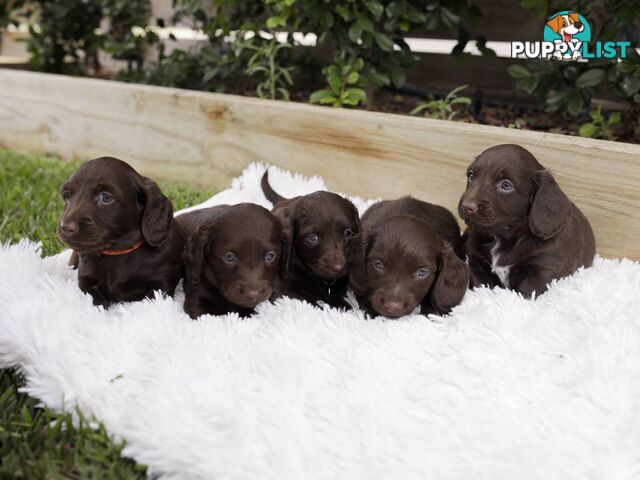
{"x": 502, "y": 388}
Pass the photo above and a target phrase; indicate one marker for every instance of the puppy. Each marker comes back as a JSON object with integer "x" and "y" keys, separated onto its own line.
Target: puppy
{"x": 405, "y": 258}
{"x": 320, "y": 225}
{"x": 120, "y": 227}
{"x": 233, "y": 257}
{"x": 522, "y": 231}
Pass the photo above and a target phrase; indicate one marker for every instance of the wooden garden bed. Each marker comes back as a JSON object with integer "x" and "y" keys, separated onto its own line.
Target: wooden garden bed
{"x": 207, "y": 139}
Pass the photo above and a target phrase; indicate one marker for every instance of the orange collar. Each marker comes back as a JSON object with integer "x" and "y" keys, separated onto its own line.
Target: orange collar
{"x": 122, "y": 252}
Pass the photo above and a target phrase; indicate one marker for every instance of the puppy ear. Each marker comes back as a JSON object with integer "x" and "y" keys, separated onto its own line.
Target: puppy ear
{"x": 550, "y": 207}
{"x": 196, "y": 249}
{"x": 355, "y": 216}
{"x": 157, "y": 214}
{"x": 356, "y": 250}
{"x": 452, "y": 282}
{"x": 285, "y": 251}
{"x": 284, "y": 213}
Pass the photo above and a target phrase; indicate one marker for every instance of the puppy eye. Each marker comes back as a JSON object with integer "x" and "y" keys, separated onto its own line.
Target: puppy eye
{"x": 269, "y": 257}
{"x": 66, "y": 195}
{"x": 348, "y": 233}
{"x": 378, "y": 265}
{"x": 506, "y": 185}
{"x": 469, "y": 175}
{"x": 423, "y": 273}
{"x": 312, "y": 238}
{"x": 105, "y": 197}
{"x": 229, "y": 257}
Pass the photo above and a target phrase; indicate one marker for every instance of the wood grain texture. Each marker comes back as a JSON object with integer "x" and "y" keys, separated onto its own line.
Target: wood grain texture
{"x": 207, "y": 139}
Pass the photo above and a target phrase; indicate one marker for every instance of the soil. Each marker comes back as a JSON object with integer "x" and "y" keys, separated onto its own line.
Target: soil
{"x": 523, "y": 117}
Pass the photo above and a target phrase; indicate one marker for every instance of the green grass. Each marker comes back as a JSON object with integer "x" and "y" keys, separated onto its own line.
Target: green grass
{"x": 36, "y": 443}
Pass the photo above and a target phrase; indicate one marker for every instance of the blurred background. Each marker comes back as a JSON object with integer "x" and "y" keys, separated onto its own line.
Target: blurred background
{"x": 440, "y": 59}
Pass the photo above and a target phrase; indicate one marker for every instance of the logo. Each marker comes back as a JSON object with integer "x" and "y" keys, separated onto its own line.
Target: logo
{"x": 567, "y": 36}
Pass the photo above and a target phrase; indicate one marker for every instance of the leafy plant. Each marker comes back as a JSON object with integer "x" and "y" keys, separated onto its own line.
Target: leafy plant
{"x": 371, "y": 30}
{"x": 276, "y": 79}
{"x": 343, "y": 78}
{"x": 128, "y": 34}
{"x": 559, "y": 86}
{"x": 442, "y": 108}
{"x": 600, "y": 126}
{"x": 65, "y": 36}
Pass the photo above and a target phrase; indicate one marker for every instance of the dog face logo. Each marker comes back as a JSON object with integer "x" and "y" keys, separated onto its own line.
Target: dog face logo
{"x": 566, "y": 25}
{"x": 570, "y": 28}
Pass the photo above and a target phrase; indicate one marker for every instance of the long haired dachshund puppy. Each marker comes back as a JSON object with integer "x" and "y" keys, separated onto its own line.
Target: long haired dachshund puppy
{"x": 234, "y": 257}
{"x": 522, "y": 231}
{"x": 320, "y": 225}
{"x": 121, "y": 229}
{"x": 405, "y": 257}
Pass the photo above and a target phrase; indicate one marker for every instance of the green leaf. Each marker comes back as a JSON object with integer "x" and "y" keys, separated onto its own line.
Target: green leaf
{"x": 335, "y": 82}
{"x": 378, "y": 79}
{"x": 528, "y": 84}
{"x": 570, "y": 73}
{"x": 630, "y": 85}
{"x": 590, "y": 78}
{"x": 455, "y": 91}
{"x": 375, "y": 8}
{"x": 365, "y": 24}
{"x": 555, "y": 100}
{"x": 460, "y": 100}
{"x": 518, "y": 71}
{"x": 398, "y": 77}
{"x": 357, "y": 93}
{"x": 319, "y": 95}
{"x": 614, "y": 118}
{"x": 420, "y": 108}
{"x": 588, "y": 130}
{"x": 384, "y": 41}
{"x": 626, "y": 67}
{"x": 355, "y": 32}
{"x": 276, "y": 21}
{"x": 575, "y": 104}
{"x": 353, "y": 78}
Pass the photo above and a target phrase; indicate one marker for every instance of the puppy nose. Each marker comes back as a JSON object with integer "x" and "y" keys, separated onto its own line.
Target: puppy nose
{"x": 394, "y": 307}
{"x": 69, "y": 227}
{"x": 253, "y": 294}
{"x": 470, "y": 207}
{"x": 337, "y": 267}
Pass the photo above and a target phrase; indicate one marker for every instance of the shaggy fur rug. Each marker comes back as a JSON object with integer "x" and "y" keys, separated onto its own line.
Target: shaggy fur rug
{"x": 502, "y": 388}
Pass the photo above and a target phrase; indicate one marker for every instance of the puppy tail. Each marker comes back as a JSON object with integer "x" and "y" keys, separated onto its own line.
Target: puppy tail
{"x": 269, "y": 192}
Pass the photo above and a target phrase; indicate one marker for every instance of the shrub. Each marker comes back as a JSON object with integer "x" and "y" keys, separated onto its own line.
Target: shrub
{"x": 369, "y": 30}
{"x": 65, "y": 36}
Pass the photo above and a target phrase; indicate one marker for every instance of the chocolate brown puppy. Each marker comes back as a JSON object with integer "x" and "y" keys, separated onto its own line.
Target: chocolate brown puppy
{"x": 405, "y": 257}
{"x": 121, "y": 229}
{"x": 522, "y": 231}
{"x": 319, "y": 224}
{"x": 234, "y": 256}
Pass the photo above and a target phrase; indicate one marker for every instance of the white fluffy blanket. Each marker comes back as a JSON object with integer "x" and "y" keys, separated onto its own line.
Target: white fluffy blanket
{"x": 502, "y": 388}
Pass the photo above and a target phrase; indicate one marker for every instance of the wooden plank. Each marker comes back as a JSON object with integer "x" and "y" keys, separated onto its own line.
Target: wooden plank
{"x": 208, "y": 139}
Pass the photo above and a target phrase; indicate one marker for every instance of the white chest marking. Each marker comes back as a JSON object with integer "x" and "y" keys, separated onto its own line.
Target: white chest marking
{"x": 502, "y": 271}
